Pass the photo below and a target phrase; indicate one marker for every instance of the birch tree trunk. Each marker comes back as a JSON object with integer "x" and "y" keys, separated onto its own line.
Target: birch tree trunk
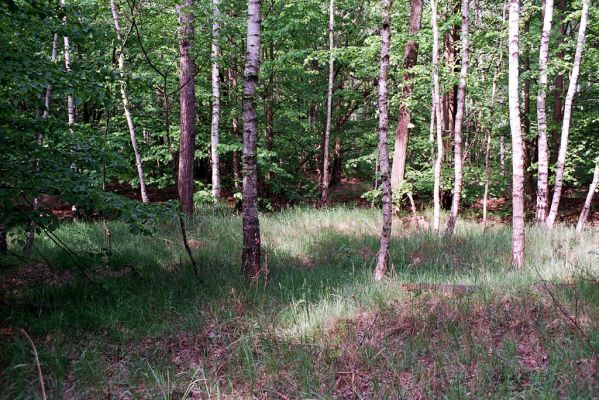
{"x": 439, "y": 124}
{"x": 458, "y": 161}
{"x": 215, "y": 100}
{"x": 543, "y": 169}
{"x": 125, "y": 99}
{"x": 324, "y": 194}
{"x": 67, "y": 64}
{"x": 584, "y": 214}
{"x": 187, "y": 101}
{"x": 382, "y": 259}
{"x": 234, "y": 124}
{"x": 561, "y": 158}
{"x": 403, "y": 120}
{"x": 251, "y": 224}
{"x": 517, "y": 143}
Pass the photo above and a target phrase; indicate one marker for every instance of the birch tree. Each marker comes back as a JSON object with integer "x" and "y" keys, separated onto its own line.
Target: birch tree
{"x": 584, "y": 213}
{"x": 67, "y": 64}
{"x": 324, "y": 194}
{"x": 517, "y": 143}
{"x": 439, "y": 119}
{"x": 187, "y": 102}
{"x": 543, "y": 169}
{"x": 382, "y": 260}
{"x": 215, "y": 100}
{"x": 251, "y": 225}
{"x": 125, "y": 99}
{"x": 563, "y": 149}
{"x": 457, "y": 159}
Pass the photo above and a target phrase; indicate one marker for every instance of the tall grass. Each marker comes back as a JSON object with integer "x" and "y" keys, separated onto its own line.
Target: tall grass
{"x": 158, "y": 330}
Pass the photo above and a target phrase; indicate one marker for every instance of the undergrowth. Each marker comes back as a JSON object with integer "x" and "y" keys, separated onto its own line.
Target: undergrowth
{"x": 129, "y": 320}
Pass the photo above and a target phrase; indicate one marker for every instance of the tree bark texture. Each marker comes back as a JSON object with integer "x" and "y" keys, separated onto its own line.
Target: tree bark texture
{"x": 324, "y": 191}
{"x": 543, "y": 169}
{"x": 215, "y": 164}
{"x": 563, "y": 148}
{"x": 458, "y": 174}
{"x": 382, "y": 261}
{"x": 439, "y": 118}
{"x": 403, "y": 120}
{"x": 251, "y": 257}
{"x": 187, "y": 99}
{"x": 517, "y": 143}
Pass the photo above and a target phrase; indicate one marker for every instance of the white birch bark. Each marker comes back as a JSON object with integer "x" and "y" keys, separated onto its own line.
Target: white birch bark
{"x": 125, "y": 99}
{"x": 584, "y": 214}
{"x": 517, "y": 142}
{"x": 67, "y": 64}
{"x": 324, "y": 195}
{"x": 543, "y": 169}
{"x": 382, "y": 260}
{"x": 215, "y": 100}
{"x": 563, "y": 148}
{"x": 439, "y": 118}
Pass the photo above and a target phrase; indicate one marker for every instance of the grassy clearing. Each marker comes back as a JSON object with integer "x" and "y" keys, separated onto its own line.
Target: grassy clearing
{"x": 320, "y": 329}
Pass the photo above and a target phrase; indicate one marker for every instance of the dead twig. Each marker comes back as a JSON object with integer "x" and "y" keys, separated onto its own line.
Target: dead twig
{"x": 37, "y": 364}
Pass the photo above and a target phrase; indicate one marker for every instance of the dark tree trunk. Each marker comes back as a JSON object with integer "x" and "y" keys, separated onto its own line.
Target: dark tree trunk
{"x": 3, "y": 241}
{"x": 457, "y": 159}
{"x": 403, "y": 120}
{"x": 558, "y": 91}
{"x": 187, "y": 100}
{"x": 251, "y": 225}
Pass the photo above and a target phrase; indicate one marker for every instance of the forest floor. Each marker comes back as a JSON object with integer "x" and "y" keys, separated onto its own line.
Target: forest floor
{"x": 130, "y": 321}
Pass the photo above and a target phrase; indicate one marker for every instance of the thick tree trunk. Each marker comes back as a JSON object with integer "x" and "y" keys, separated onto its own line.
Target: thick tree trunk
{"x": 215, "y": 100}
{"x": 324, "y": 191}
{"x": 251, "y": 225}
{"x": 584, "y": 214}
{"x": 561, "y": 159}
{"x": 457, "y": 185}
{"x": 40, "y": 139}
{"x": 382, "y": 259}
{"x": 543, "y": 170}
{"x": 67, "y": 64}
{"x": 125, "y": 99}
{"x": 403, "y": 120}
{"x": 439, "y": 124}
{"x": 517, "y": 143}
{"x": 187, "y": 101}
